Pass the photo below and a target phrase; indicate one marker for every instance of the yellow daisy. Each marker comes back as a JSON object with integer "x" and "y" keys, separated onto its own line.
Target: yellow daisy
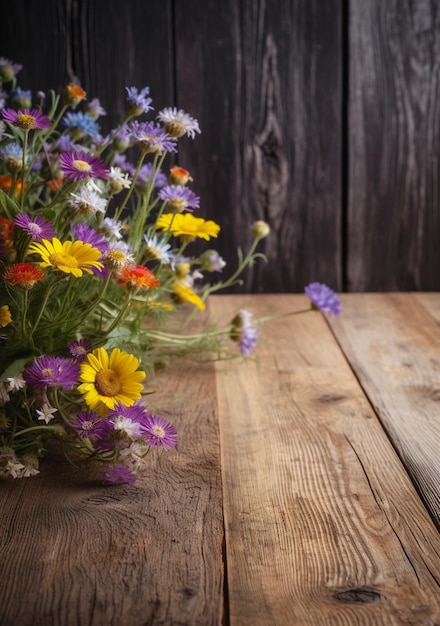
{"x": 110, "y": 379}
{"x": 185, "y": 294}
{"x": 71, "y": 257}
{"x": 5, "y": 316}
{"x": 185, "y": 224}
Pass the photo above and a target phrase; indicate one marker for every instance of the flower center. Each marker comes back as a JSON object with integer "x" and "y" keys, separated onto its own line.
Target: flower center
{"x": 108, "y": 383}
{"x": 174, "y": 128}
{"x": 87, "y": 425}
{"x": 159, "y": 431}
{"x": 82, "y": 166}
{"x": 47, "y": 372}
{"x": 35, "y": 229}
{"x": 59, "y": 259}
{"x": 26, "y": 121}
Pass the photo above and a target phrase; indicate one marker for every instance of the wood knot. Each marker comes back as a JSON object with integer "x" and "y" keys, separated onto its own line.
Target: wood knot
{"x": 358, "y": 596}
{"x": 329, "y": 397}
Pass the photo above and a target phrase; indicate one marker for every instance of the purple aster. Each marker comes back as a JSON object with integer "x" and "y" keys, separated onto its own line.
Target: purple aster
{"x": 244, "y": 331}
{"x": 119, "y": 474}
{"x": 79, "y": 349}
{"x": 82, "y": 122}
{"x": 52, "y": 371}
{"x": 87, "y": 234}
{"x": 77, "y": 165}
{"x": 158, "y": 432}
{"x": 152, "y": 138}
{"x": 86, "y": 423}
{"x": 144, "y": 178}
{"x": 179, "y": 198}
{"x": 36, "y": 227}
{"x": 138, "y": 101}
{"x": 94, "y": 108}
{"x": 26, "y": 119}
{"x": 323, "y": 298}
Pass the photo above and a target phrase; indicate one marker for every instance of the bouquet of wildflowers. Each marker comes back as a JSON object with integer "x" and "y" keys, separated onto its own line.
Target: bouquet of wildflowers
{"x": 96, "y": 270}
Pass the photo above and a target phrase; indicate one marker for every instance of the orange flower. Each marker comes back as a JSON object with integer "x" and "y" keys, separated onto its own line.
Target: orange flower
{"x": 23, "y": 274}
{"x": 137, "y": 277}
{"x": 6, "y": 184}
{"x": 55, "y": 184}
{"x": 179, "y": 176}
{"x": 73, "y": 94}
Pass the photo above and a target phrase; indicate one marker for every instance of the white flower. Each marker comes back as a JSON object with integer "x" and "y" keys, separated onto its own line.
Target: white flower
{"x": 88, "y": 202}
{"x": 125, "y": 424}
{"x": 111, "y": 228}
{"x": 158, "y": 249}
{"x": 46, "y": 413}
{"x": 14, "y": 468}
{"x": 178, "y": 123}
{"x": 119, "y": 177}
{"x": 16, "y": 383}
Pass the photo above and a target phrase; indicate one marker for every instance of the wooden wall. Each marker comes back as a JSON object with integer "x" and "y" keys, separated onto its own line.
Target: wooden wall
{"x": 318, "y": 116}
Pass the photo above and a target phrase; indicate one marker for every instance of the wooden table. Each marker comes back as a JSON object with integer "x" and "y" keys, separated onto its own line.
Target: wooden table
{"x": 305, "y": 489}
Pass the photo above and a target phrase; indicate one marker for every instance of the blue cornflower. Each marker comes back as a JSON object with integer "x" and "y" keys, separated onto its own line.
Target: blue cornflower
{"x": 21, "y": 98}
{"x": 81, "y": 122}
{"x": 323, "y": 298}
{"x": 138, "y": 101}
{"x": 12, "y": 149}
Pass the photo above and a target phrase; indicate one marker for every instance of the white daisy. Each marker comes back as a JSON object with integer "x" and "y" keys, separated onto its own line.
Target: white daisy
{"x": 178, "y": 123}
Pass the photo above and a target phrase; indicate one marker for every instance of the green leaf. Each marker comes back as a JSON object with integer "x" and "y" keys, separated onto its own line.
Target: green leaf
{"x": 13, "y": 369}
{"x": 8, "y": 205}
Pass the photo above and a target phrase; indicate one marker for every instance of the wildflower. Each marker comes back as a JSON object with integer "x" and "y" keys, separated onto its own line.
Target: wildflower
{"x": 14, "y": 468}
{"x": 85, "y": 423}
{"x": 143, "y": 181}
{"x": 86, "y": 234}
{"x": 5, "y": 315}
{"x": 118, "y": 256}
{"x": 186, "y": 294}
{"x": 94, "y": 109}
{"x": 70, "y": 257}
{"x": 244, "y": 331}
{"x": 8, "y": 69}
{"x": 30, "y": 464}
{"x": 111, "y": 228}
{"x": 78, "y": 349}
{"x": 38, "y": 228}
{"x": 24, "y": 275}
{"x": 21, "y": 98}
{"x": 178, "y": 123}
{"x": 137, "y": 277}
{"x": 15, "y": 383}
{"x": 26, "y": 119}
{"x": 119, "y": 474}
{"x": 260, "y": 229}
{"x": 81, "y": 124}
{"x": 52, "y": 371}
{"x": 159, "y": 432}
{"x": 77, "y": 165}
{"x": 73, "y": 94}
{"x": 323, "y": 298}
{"x": 86, "y": 203}
{"x": 118, "y": 180}
{"x": 179, "y": 198}
{"x": 138, "y": 101}
{"x": 186, "y": 225}
{"x": 110, "y": 379}
{"x": 117, "y": 432}
{"x": 211, "y": 261}
{"x": 46, "y": 413}
{"x": 6, "y": 184}
{"x": 178, "y": 176}
{"x": 152, "y": 138}
{"x": 158, "y": 249}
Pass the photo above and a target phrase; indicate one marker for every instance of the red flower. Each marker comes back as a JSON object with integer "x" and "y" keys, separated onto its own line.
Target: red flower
{"x": 137, "y": 277}
{"x": 6, "y": 184}
{"x": 23, "y": 274}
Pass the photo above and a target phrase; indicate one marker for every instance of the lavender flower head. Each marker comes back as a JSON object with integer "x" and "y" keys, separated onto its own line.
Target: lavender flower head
{"x": 52, "y": 371}
{"x": 37, "y": 227}
{"x": 323, "y": 298}
{"x": 244, "y": 331}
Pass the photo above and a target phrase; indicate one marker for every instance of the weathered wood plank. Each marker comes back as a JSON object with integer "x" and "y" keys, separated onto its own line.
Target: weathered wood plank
{"x": 394, "y": 145}
{"x": 393, "y": 345}
{"x": 264, "y": 80}
{"x": 323, "y": 525}
{"x": 75, "y": 552}
{"x": 105, "y": 46}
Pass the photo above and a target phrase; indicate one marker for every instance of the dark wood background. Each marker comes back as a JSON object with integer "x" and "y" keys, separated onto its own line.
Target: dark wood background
{"x": 319, "y": 116}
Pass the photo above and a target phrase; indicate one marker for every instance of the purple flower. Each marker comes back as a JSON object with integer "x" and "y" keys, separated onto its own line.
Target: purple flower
{"x": 8, "y": 69}
{"x": 152, "y": 138}
{"x": 77, "y": 165}
{"x": 52, "y": 371}
{"x": 85, "y": 423}
{"x": 244, "y": 331}
{"x": 138, "y": 101}
{"x": 179, "y": 198}
{"x": 119, "y": 474}
{"x": 36, "y": 227}
{"x": 78, "y": 349}
{"x": 323, "y": 298}
{"x": 158, "y": 432}
{"x": 26, "y": 119}
{"x": 87, "y": 234}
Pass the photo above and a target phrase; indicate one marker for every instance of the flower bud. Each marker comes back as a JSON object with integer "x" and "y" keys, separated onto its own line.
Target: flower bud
{"x": 178, "y": 176}
{"x": 260, "y": 229}
{"x": 14, "y": 164}
{"x": 73, "y": 94}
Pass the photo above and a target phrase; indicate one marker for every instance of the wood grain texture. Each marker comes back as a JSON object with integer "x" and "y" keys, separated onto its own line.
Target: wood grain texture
{"x": 323, "y": 525}
{"x": 393, "y": 345}
{"x": 74, "y": 552}
{"x": 394, "y": 146}
{"x": 264, "y": 80}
